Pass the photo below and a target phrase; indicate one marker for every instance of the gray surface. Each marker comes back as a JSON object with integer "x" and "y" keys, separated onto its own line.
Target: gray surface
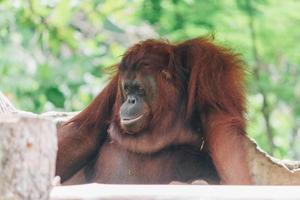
{"x": 175, "y": 192}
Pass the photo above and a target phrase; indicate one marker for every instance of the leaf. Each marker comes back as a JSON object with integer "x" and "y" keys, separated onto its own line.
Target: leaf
{"x": 55, "y": 96}
{"x": 62, "y": 14}
{"x": 111, "y": 26}
{"x": 44, "y": 72}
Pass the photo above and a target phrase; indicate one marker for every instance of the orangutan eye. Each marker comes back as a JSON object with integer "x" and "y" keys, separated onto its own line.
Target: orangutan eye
{"x": 126, "y": 88}
{"x": 141, "y": 91}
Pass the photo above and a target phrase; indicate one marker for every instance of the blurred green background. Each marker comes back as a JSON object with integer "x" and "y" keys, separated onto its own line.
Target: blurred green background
{"x": 53, "y": 52}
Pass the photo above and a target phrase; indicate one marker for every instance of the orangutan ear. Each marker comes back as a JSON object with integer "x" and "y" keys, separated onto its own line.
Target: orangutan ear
{"x": 215, "y": 76}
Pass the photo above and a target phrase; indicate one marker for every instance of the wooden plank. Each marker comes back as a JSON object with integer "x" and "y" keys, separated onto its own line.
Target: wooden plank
{"x": 174, "y": 192}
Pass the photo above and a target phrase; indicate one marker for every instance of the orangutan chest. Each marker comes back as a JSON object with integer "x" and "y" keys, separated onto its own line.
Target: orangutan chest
{"x": 116, "y": 165}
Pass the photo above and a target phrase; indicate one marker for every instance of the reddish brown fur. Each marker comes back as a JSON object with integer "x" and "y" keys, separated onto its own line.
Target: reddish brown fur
{"x": 199, "y": 86}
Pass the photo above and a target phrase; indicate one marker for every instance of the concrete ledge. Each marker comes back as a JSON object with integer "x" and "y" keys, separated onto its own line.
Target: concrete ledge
{"x": 175, "y": 192}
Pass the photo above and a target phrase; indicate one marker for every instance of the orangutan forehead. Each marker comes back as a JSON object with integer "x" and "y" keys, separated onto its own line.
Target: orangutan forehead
{"x": 137, "y": 75}
{"x": 141, "y": 57}
{"x": 147, "y": 62}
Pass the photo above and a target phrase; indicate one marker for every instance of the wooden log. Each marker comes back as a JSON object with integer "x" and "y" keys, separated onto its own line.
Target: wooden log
{"x": 28, "y": 147}
{"x": 267, "y": 170}
{"x": 59, "y": 117}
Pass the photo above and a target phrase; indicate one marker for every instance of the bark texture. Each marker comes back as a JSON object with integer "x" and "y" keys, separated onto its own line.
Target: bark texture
{"x": 28, "y": 147}
{"x": 266, "y": 170}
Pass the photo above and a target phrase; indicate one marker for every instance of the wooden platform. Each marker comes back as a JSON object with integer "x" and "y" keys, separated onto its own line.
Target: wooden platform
{"x": 175, "y": 192}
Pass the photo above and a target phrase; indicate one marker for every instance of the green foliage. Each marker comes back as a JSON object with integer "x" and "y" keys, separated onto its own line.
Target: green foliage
{"x": 54, "y": 53}
{"x": 55, "y": 96}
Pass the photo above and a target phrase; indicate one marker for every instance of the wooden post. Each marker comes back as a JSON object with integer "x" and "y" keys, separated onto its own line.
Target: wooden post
{"x": 28, "y": 146}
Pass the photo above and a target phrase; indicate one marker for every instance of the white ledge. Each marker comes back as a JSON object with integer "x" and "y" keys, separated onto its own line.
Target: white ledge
{"x": 174, "y": 192}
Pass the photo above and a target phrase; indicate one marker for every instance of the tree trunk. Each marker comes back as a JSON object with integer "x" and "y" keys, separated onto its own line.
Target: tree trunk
{"x": 28, "y": 147}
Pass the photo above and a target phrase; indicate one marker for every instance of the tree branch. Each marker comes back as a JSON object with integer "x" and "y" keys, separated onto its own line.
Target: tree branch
{"x": 265, "y": 107}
